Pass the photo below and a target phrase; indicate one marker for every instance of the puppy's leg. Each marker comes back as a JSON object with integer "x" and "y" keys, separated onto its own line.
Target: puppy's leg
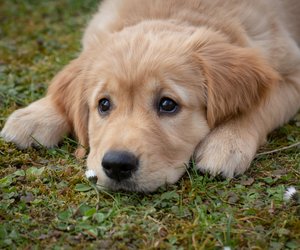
{"x": 39, "y": 123}
{"x": 230, "y": 148}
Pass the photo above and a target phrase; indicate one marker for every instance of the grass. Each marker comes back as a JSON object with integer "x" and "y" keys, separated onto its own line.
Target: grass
{"x": 47, "y": 203}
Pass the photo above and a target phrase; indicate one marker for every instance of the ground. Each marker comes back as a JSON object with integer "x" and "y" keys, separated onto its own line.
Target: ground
{"x": 46, "y": 202}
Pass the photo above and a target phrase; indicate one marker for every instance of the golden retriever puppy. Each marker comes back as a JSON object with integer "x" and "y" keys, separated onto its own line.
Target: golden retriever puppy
{"x": 161, "y": 81}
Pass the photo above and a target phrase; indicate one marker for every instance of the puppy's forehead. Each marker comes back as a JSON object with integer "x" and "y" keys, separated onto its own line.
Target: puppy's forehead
{"x": 145, "y": 67}
{"x": 119, "y": 90}
{"x": 114, "y": 86}
{"x": 134, "y": 58}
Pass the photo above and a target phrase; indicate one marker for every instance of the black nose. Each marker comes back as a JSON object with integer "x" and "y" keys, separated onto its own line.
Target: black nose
{"x": 119, "y": 165}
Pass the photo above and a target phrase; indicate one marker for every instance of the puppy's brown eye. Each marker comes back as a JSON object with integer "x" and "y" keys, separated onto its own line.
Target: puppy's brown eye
{"x": 167, "y": 105}
{"x": 104, "y": 106}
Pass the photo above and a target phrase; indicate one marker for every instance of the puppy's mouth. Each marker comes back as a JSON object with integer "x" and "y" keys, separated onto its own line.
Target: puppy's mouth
{"x": 125, "y": 185}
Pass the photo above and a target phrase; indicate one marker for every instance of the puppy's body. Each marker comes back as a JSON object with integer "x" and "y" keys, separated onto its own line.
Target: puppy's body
{"x": 231, "y": 67}
{"x": 259, "y": 24}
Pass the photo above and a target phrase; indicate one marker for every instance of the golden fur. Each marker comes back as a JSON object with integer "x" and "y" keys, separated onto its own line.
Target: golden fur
{"x": 232, "y": 66}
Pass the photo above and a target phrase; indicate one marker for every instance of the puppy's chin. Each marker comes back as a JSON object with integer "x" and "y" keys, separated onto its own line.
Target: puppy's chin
{"x": 131, "y": 186}
{"x": 126, "y": 185}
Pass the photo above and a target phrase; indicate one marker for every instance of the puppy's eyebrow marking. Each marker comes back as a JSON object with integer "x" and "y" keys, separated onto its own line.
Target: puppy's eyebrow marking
{"x": 179, "y": 91}
{"x": 95, "y": 94}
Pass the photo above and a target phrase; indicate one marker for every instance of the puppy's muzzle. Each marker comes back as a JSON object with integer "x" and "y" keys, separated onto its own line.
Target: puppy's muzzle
{"x": 119, "y": 165}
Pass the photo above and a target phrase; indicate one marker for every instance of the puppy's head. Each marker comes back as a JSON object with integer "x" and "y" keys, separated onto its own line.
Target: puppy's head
{"x": 147, "y": 97}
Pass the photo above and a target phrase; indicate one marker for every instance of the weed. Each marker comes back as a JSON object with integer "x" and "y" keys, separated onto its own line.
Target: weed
{"x": 46, "y": 202}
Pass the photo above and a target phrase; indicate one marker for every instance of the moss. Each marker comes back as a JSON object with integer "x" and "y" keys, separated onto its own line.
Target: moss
{"x": 43, "y": 204}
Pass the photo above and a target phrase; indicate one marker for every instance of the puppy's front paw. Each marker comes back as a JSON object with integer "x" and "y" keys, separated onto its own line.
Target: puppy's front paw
{"x": 39, "y": 123}
{"x": 226, "y": 152}
{"x": 19, "y": 128}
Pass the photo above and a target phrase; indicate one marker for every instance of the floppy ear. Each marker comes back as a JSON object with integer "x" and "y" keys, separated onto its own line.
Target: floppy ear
{"x": 237, "y": 79}
{"x": 68, "y": 93}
